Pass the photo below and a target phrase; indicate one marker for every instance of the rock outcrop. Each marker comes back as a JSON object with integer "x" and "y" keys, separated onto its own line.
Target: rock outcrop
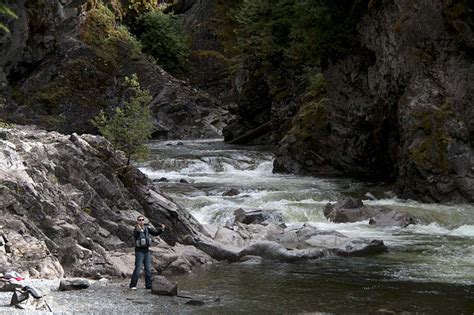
{"x": 395, "y": 106}
{"x": 64, "y": 61}
{"x": 399, "y": 108}
{"x": 68, "y": 205}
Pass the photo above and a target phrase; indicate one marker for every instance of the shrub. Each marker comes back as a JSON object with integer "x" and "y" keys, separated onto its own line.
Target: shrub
{"x": 130, "y": 125}
{"x": 163, "y": 37}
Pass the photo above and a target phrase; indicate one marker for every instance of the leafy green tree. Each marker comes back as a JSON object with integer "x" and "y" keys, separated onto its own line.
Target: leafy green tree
{"x": 4, "y": 10}
{"x": 163, "y": 37}
{"x": 130, "y": 125}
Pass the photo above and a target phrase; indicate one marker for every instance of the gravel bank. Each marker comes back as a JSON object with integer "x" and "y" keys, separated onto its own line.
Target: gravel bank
{"x": 112, "y": 297}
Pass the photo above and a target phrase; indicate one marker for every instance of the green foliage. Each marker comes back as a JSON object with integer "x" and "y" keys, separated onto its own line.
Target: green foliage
{"x": 163, "y": 37}
{"x": 129, "y": 126}
{"x": 296, "y": 32}
{"x": 141, "y": 6}
{"x": 87, "y": 210}
{"x": 5, "y": 11}
{"x": 101, "y": 30}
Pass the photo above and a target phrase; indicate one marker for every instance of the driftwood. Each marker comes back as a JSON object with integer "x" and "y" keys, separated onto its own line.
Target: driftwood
{"x": 252, "y": 134}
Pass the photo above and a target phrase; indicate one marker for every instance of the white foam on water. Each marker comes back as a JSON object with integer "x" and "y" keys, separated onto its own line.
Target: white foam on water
{"x": 463, "y": 231}
{"x": 437, "y": 251}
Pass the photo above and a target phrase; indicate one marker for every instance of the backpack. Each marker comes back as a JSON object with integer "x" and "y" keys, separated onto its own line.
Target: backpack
{"x": 143, "y": 239}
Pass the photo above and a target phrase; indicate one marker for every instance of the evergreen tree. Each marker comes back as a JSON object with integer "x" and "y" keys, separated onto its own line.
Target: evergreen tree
{"x": 129, "y": 126}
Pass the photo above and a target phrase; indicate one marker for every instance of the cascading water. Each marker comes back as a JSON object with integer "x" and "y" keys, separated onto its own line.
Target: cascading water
{"x": 440, "y": 251}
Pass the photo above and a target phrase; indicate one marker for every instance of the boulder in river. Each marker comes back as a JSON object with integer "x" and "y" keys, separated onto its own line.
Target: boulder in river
{"x": 353, "y": 210}
{"x": 257, "y": 216}
{"x": 231, "y": 192}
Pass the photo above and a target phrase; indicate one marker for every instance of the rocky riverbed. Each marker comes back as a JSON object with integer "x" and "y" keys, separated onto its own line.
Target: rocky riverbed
{"x": 103, "y": 297}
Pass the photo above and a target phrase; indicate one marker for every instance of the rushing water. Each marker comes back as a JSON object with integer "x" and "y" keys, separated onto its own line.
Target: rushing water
{"x": 428, "y": 267}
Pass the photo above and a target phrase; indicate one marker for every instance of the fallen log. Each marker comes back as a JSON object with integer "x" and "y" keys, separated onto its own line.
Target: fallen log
{"x": 252, "y": 134}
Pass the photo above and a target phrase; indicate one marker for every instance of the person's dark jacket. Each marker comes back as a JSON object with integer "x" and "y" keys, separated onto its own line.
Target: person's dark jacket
{"x": 145, "y": 234}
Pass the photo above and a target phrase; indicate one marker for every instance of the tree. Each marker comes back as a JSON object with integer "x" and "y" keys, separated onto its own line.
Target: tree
{"x": 129, "y": 126}
{"x": 163, "y": 37}
{"x": 4, "y": 10}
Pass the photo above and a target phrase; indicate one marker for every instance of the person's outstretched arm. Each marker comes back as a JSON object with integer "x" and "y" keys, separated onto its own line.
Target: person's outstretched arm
{"x": 158, "y": 231}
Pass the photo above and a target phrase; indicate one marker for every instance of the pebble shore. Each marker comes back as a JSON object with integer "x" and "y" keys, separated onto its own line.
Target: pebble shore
{"x": 111, "y": 297}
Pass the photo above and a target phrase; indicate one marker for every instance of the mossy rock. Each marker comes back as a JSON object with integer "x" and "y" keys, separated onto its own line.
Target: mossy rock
{"x": 310, "y": 121}
{"x": 431, "y": 151}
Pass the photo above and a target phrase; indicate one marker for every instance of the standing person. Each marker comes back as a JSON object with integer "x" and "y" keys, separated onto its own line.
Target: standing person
{"x": 142, "y": 254}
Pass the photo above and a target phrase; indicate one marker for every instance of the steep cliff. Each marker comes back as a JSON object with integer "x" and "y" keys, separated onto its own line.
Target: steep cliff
{"x": 398, "y": 108}
{"x": 64, "y": 61}
{"x": 392, "y": 102}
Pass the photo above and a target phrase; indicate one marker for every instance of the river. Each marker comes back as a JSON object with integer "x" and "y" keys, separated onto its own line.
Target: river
{"x": 428, "y": 268}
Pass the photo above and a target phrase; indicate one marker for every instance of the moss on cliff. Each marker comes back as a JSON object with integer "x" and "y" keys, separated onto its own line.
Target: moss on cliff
{"x": 309, "y": 121}
{"x": 431, "y": 151}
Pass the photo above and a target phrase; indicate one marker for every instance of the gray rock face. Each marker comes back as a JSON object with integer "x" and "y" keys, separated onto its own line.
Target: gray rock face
{"x": 353, "y": 210}
{"x": 65, "y": 208}
{"x": 400, "y": 108}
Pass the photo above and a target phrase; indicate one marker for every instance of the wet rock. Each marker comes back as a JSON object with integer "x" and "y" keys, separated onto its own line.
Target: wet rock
{"x": 352, "y": 210}
{"x": 195, "y": 302}
{"x": 251, "y": 260}
{"x": 349, "y": 210}
{"x": 231, "y": 192}
{"x": 307, "y": 236}
{"x": 217, "y": 250}
{"x": 276, "y": 252}
{"x": 361, "y": 248}
{"x": 183, "y": 181}
{"x": 73, "y": 284}
{"x": 241, "y": 235}
{"x": 162, "y": 286}
{"x": 370, "y": 196}
{"x": 390, "y": 194}
{"x": 163, "y": 179}
{"x": 257, "y": 216}
{"x": 393, "y": 218}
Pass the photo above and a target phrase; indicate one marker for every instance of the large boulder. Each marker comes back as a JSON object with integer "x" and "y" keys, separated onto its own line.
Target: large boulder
{"x": 257, "y": 216}
{"x": 353, "y": 210}
{"x": 162, "y": 286}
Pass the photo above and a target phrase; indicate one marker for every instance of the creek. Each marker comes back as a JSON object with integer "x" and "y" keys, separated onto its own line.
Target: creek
{"x": 428, "y": 267}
